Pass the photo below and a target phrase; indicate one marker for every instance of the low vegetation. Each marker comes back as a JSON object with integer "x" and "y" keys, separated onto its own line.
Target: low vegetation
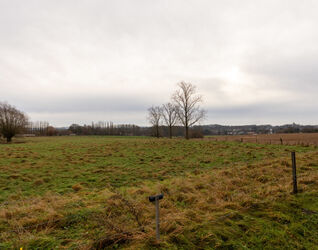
{"x": 91, "y": 192}
{"x": 302, "y": 139}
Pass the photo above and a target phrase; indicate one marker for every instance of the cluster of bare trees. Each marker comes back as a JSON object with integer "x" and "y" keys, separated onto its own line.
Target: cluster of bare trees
{"x": 184, "y": 109}
{"x": 40, "y": 128}
{"x": 12, "y": 121}
{"x": 106, "y": 128}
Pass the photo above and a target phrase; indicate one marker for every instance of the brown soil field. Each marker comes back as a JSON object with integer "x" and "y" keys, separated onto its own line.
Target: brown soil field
{"x": 285, "y": 139}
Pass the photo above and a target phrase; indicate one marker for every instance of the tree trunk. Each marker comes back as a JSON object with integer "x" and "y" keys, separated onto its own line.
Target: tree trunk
{"x": 157, "y": 132}
{"x": 9, "y": 139}
{"x": 187, "y": 132}
{"x": 170, "y": 132}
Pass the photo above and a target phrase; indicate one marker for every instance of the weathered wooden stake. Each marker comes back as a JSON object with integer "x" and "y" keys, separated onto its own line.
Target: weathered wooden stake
{"x": 157, "y": 220}
{"x": 293, "y": 155}
{"x": 156, "y": 199}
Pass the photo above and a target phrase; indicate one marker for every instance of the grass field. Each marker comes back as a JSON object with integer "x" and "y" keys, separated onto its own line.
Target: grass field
{"x": 91, "y": 192}
{"x": 304, "y": 139}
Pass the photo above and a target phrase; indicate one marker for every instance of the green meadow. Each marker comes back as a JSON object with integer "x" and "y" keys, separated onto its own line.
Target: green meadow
{"x": 91, "y": 193}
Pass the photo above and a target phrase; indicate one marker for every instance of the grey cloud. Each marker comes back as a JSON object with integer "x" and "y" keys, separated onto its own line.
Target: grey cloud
{"x": 264, "y": 113}
{"x": 91, "y": 57}
{"x": 73, "y": 104}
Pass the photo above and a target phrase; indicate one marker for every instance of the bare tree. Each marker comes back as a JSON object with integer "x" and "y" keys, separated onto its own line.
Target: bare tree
{"x": 188, "y": 103}
{"x": 12, "y": 121}
{"x": 154, "y": 117}
{"x": 169, "y": 114}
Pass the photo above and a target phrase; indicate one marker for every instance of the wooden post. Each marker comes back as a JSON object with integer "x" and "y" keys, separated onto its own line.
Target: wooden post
{"x": 293, "y": 155}
{"x": 157, "y": 219}
{"x": 156, "y": 199}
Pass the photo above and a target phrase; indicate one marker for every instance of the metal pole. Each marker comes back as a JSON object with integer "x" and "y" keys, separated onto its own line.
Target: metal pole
{"x": 157, "y": 219}
{"x": 293, "y": 154}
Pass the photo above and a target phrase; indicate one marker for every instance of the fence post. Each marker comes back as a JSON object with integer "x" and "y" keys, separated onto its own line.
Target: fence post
{"x": 157, "y": 219}
{"x": 293, "y": 155}
{"x": 156, "y": 199}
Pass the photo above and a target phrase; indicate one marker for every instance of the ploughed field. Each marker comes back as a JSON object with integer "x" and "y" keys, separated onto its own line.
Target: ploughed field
{"x": 91, "y": 193}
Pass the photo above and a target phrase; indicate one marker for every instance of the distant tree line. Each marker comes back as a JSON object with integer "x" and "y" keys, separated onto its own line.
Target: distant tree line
{"x": 176, "y": 118}
{"x": 40, "y": 128}
{"x": 295, "y": 128}
{"x": 43, "y": 128}
{"x": 183, "y": 110}
{"x": 216, "y": 129}
{"x": 108, "y": 128}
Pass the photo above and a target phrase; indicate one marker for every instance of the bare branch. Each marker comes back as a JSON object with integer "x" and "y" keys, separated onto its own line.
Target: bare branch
{"x": 188, "y": 103}
{"x": 12, "y": 121}
{"x": 170, "y": 115}
{"x": 154, "y": 117}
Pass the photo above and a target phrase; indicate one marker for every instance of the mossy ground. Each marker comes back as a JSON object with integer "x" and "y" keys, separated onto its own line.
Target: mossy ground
{"x": 91, "y": 192}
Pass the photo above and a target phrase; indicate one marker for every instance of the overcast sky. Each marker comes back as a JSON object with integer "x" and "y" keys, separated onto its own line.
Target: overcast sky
{"x": 75, "y": 61}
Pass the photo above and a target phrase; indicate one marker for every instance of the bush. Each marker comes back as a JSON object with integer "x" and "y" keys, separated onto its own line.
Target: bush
{"x": 196, "y": 134}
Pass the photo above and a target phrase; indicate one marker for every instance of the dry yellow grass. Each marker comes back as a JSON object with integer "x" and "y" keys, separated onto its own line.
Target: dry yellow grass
{"x": 285, "y": 139}
{"x": 125, "y": 217}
